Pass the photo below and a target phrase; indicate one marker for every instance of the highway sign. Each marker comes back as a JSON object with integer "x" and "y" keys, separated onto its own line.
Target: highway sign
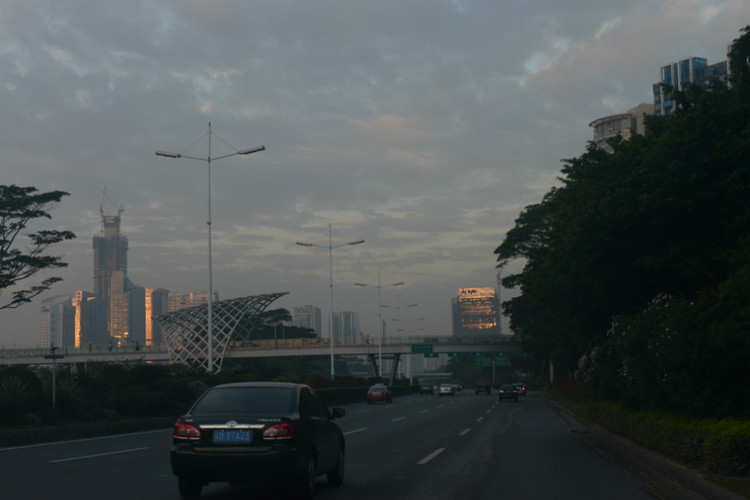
{"x": 421, "y": 348}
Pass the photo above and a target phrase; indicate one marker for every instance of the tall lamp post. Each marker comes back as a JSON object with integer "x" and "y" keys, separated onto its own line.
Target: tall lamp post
{"x": 380, "y": 319}
{"x": 208, "y": 160}
{"x": 330, "y": 248}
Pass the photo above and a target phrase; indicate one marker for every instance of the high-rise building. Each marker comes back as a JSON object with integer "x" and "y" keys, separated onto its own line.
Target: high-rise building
{"x": 58, "y": 322}
{"x": 678, "y": 75}
{"x": 182, "y": 300}
{"x": 623, "y": 124}
{"x": 110, "y": 255}
{"x": 346, "y": 327}
{"x": 476, "y": 312}
{"x": 309, "y": 317}
{"x": 157, "y": 303}
{"x": 127, "y": 311}
{"x": 90, "y": 326}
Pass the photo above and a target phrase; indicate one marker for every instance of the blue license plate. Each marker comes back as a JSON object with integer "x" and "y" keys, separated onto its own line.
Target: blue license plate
{"x": 232, "y": 436}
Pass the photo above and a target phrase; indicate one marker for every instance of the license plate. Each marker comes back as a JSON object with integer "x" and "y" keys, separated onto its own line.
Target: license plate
{"x": 232, "y": 436}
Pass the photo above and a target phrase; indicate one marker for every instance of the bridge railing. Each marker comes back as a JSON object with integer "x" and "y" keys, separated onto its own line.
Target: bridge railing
{"x": 258, "y": 344}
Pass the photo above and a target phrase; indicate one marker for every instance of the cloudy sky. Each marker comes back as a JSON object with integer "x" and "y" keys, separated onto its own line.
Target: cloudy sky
{"x": 421, "y": 126}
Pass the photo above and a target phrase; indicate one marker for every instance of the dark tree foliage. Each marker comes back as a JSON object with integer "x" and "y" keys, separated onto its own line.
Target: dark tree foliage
{"x": 666, "y": 213}
{"x": 19, "y": 206}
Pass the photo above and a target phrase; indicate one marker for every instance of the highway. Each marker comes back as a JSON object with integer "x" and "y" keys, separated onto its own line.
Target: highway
{"x": 421, "y": 446}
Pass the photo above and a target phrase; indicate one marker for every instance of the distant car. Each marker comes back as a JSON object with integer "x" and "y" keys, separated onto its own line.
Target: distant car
{"x": 521, "y": 388}
{"x": 258, "y": 431}
{"x": 456, "y": 386}
{"x": 426, "y": 389}
{"x": 507, "y": 391}
{"x": 446, "y": 390}
{"x": 379, "y": 392}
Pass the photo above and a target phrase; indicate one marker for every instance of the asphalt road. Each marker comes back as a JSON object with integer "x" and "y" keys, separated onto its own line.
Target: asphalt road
{"x": 464, "y": 447}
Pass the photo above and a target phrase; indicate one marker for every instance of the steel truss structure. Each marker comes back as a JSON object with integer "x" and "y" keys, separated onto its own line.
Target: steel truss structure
{"x": 186, "y": 331}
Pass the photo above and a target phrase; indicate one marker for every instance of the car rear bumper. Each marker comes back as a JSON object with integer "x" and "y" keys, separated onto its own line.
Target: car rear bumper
{"x": 217, "y": 464}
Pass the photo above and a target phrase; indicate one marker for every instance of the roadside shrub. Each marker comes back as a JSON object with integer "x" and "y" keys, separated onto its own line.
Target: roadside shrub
{"x": 727, "y": 450}
{"x": 721, "y": 446}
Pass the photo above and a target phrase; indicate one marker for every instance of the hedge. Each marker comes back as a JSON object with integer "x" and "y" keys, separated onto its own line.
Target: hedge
{"x": 721, "y": 446}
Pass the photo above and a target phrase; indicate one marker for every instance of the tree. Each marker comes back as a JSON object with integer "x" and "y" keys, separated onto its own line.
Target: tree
{"x": 668, "y": 212}
{"x": 19, "y": 206}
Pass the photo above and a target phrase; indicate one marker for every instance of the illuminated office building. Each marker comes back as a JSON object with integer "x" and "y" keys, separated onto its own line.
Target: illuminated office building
{"x": 157, "y": 303}
{"x": 476, "y": 312}
{"x": 58, "y": 322}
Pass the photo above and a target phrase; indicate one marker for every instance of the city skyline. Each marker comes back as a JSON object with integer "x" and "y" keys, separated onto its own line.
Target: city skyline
{"x": 424, "y": 128}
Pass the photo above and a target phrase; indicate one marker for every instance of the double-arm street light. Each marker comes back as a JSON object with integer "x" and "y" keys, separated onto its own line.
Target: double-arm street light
{"x": 330, "y": 248}
{"x": 380, "y": 319}
{"x": 208, "y": 160}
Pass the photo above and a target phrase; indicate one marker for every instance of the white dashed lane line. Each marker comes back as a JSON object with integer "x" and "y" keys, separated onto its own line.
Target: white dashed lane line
{"x": 431, "y": 456}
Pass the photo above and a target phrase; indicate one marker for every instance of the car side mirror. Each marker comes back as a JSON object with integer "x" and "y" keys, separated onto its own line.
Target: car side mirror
{"x": 338, "y": 412}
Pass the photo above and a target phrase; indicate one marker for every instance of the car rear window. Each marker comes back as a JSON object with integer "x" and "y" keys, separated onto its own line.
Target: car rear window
{"x": 246, "y": 400}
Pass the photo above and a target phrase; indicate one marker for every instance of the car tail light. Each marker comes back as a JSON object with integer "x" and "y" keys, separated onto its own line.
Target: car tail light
{"x": 280, "y": 431}
{"x": 186, "y": 431}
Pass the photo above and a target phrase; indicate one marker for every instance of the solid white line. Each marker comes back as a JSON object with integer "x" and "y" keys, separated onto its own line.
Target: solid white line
{"x": 397, "y": 419}
{"x": 431, "y": 456}
{"x": 355, "y": 431}
{"x": 465, "y": 432}
{"x": 98, "y": 455}
{"x": 97, "y": 438}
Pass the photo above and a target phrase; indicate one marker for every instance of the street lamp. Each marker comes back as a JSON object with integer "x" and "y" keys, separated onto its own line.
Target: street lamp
{"x": 380, "y": 320}
{"x": 330, "y": 248}
{"x": 208, "y": 159}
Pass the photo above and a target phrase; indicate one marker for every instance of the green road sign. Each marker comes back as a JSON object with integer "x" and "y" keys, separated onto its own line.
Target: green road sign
{"x": 421, "y": 348}
{"x": 455, "y": 354}
{"x": 502, "y": 362}
{"x": 483, "y": 362}
{"x": 431, "y": 355}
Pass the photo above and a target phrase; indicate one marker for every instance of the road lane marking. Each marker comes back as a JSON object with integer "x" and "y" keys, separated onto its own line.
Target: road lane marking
{"x": 465, "y": 432}
{"x": 480, "y": 419}
{"x": 355, "y": 431}
{"x": 431, "y": 456}
{"x": 487, "y": 411}
{"x": 397, "y": 419}
{"x": 97, "y": 438}
{"x": 97, "y": 455}
{"x": 424, "y": 411}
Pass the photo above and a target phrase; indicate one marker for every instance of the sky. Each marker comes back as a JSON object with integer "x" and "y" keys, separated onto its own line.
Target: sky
{"x": 423, "y": 127}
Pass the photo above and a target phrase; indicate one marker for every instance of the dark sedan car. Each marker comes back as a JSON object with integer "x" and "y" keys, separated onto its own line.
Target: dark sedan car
{"x": 258, "y": 431}
{"x": 508, "y": 391}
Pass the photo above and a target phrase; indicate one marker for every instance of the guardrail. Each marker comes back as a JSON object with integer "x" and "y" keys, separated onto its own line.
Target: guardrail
{"x": 250, "y": 348}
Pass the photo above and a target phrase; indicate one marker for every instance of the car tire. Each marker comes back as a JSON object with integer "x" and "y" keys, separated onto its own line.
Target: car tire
{"x": 305, "y": 486}
{"x": 190, "y": 488}
{"x": 336, "y": 476}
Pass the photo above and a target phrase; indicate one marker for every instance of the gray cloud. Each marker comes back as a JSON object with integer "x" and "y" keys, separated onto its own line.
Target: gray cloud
{"x": 423, "y": 127}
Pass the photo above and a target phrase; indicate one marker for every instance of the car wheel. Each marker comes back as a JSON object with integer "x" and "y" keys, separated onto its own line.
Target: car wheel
{"x": 189, "y": 487}
{"x": 306, "y": 483}
{"x": 336, "y": 476}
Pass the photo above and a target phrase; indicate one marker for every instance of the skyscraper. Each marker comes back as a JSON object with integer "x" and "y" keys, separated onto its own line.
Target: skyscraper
{"x": 476, "y": 311}
{"x": 58, "y": 322}
{"x": 157, "y": 303}
{"x": 309, "y": 317}
{"x": 110, "y": 254}
{"x": 678, "y": 75}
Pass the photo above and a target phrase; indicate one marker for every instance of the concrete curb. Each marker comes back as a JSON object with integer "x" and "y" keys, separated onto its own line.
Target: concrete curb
{"x": 662, "y": 477}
